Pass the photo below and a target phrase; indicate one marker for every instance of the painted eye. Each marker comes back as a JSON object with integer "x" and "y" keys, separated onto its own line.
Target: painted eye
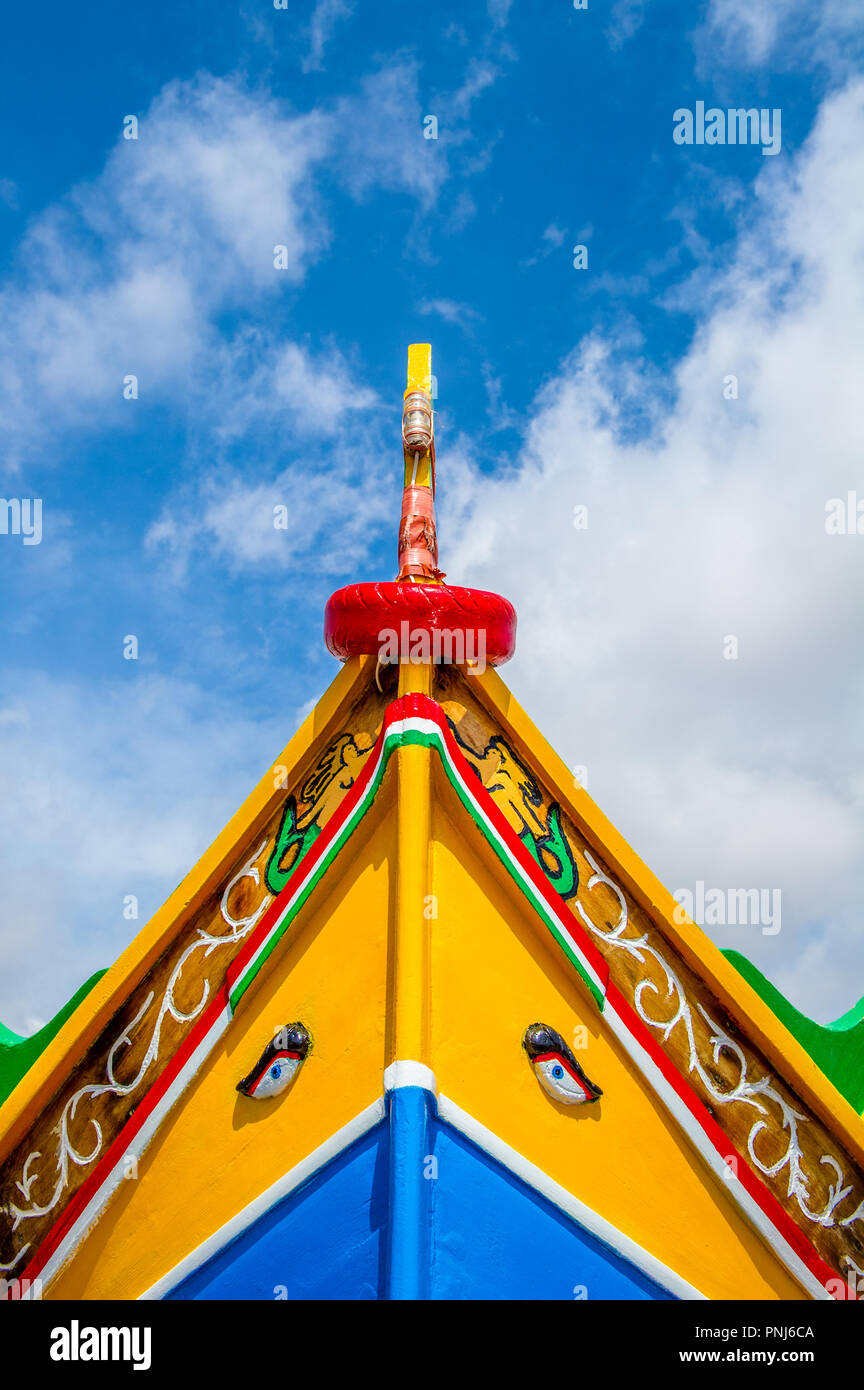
{"x": 560, "y": 1082}
{"x": 278, "y": 1064}
{"x": 556, "y": 1068}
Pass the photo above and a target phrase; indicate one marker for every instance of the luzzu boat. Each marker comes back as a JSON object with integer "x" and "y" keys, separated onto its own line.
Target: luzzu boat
{"x": 420, "y": 1025}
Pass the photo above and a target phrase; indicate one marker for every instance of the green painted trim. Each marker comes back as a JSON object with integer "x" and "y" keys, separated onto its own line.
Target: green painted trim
{"x": 503, "y": 855}
{"x": 18, "y": 1054}
{"x": 244, "y": 980}
{"x": 434, "y": 741}
{"x": 836, "y": 1048}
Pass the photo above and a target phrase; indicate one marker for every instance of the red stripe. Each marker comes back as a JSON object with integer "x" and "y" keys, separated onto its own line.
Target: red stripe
{"x": 426, "y": 708}
{"x": 721, "y": 1143}
{"x": 88, "y": 1189}
{"x": 309, "y": 861}
{"x": 562, "y": 1060}
{"x": 294, "y": 1056}
{"x": 764, "y": 1198}
{"x": 421, "y": 706}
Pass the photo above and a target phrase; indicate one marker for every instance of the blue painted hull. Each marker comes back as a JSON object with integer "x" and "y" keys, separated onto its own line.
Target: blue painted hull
{"x": 415, "y": 1210}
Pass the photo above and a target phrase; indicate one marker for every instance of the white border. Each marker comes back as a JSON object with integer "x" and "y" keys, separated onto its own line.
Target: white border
{"x": 300, "y": 1173}
{"x": 136, "y": 1147}
{"x": 669, "y": 1097}
{"x": 560, "y": 1197}
{"x": 400, "y": 1074}
{"x": 409, "y": 1073}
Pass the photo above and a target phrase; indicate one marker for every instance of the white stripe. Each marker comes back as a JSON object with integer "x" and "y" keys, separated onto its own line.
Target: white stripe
{"x": 111, "y": 1182}
{"x": 694, "y": 1131}
{"x": 400, "y": 1074}
{"x": 335, "y": 844}
{"x": 138, "y": 1144}
{"x": 394, "y": 730}
{"x": 701, "y": 1141}
{"x": 532, "y": 891}
{"x": 413, "y": 721}
{"x": 288, "y": 1183}
{"x": 560, "y": 1197}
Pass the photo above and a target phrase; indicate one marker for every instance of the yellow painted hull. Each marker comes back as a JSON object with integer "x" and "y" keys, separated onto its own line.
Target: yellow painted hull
{"x": 416, "y": 962}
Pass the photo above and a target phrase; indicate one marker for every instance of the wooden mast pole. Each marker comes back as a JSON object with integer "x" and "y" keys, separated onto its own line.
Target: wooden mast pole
{"x": 418, "y": 541}
{"x": 408, "y": 1051}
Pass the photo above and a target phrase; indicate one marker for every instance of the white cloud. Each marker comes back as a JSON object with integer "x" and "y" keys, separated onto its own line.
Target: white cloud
{"x": 551, "y": 240}
{"x": 289, "y": 402}
{"x": 739, "y": 773}
{"x": 381, "y": 143}
{"x": 451, "y": 311}
{"x": 310, "y": 395}
{"x": 554, "y": 234}
{"x": 625, "y": 19}
{"x": 316, "y": 521}
{"x": 108, "y": 791}
{"x": 320, "y": 394}
{"x": 480, "y": 75}
{"x": 784, "y": 32}
{"x": 132, "y": 273}
{"x": 322, "y": 23}
{"x": 499, "y": 12}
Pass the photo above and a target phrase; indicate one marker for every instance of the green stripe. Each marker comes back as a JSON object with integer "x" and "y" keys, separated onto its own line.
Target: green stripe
{"x": 18, "y": 1054}
{"x": 347, "y": 830}
{"x": 525, "y": 887}
{"x": 417, "y": 738}
{"x": 836, "y": 1048}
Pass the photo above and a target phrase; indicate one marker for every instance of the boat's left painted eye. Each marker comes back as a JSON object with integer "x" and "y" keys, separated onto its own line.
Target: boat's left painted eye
{"x": 278, "y": 1064}
{"x": 266, "y": 1081}
{"x": 560, "y": 1082}
{"x": 271, "y": 1080}
{"x": 556, "y": 1068}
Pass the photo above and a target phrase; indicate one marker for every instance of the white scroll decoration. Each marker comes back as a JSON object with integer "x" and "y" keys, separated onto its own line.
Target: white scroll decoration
{"x": 756, "y": 1091}
{"x": 70, "y": 1154}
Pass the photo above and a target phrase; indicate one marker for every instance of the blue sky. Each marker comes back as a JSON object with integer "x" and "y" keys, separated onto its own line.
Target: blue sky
{"x": 303, "y": 127}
